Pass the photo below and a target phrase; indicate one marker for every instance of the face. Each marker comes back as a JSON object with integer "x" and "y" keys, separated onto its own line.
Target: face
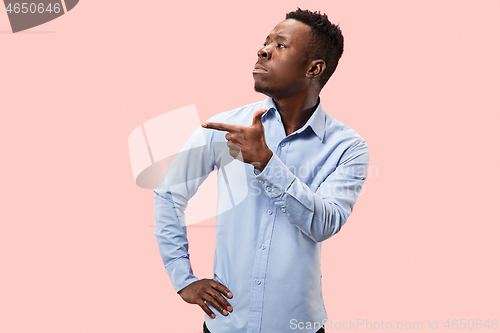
{"x": 282, "y": 63}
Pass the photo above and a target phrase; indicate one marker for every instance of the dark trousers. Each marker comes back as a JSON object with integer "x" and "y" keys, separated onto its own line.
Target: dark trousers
{"x": 205, "y": 329}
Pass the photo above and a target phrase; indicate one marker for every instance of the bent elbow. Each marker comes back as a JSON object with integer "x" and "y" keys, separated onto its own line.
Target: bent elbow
{"x": 331, "y": 225}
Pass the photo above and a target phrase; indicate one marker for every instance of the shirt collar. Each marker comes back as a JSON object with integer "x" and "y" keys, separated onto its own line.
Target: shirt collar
{"x": 316, "y": 121}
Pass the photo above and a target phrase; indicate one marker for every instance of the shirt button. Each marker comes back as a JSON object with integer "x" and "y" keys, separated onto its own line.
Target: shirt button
{"x": 283, "y": 144}
{"x": 270, "y": 212}
{"x": 283, "y": 210}
{"x": 263, "y": 247}
{"x": 258, "y": 282}
{"x": 268, "y": 189}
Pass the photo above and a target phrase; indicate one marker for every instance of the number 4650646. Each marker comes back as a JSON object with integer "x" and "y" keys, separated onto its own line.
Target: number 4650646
{"x": 33, "y": 8}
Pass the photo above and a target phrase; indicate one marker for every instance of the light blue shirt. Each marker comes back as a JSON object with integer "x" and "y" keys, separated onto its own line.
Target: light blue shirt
{"x": 270, "y": 224}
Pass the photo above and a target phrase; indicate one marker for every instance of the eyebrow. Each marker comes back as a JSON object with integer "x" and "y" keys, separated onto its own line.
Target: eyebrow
{"x": 277, "y": 37}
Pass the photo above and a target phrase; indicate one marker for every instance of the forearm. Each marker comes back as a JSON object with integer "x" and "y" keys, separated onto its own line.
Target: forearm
{"x": 172, "y": 241}
{"x": 181, "y": 181}
{"x": 321, "y": 213}
{"x": 315, "y": 216}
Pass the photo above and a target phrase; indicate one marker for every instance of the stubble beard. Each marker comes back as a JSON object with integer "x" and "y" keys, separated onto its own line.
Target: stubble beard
{"x": 260, "y": 89}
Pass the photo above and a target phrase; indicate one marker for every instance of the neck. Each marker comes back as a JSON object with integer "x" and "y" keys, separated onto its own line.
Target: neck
{"x": 296, "y": 110}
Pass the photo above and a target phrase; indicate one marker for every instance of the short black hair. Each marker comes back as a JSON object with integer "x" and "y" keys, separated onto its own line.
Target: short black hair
{"x": 326, "y": 43}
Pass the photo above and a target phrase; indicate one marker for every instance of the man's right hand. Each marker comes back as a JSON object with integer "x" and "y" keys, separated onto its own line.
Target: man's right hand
{"x": 206, "y": 291}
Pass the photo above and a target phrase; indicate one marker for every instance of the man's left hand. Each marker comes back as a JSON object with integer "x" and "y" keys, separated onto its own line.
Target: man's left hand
{"x": 246, "y": 143}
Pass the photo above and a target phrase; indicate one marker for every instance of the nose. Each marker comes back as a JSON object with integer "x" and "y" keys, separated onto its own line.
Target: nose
{"x": 264, "y": 53}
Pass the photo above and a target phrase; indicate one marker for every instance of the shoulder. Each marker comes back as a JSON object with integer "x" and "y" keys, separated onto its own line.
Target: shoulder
{"x": 337, "y": 131}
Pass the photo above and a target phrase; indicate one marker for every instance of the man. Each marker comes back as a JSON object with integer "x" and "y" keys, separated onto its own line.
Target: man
{"x": 305, "y": 170}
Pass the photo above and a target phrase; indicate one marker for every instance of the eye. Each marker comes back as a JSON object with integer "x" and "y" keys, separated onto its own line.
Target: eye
{"x": 281, "y": 46}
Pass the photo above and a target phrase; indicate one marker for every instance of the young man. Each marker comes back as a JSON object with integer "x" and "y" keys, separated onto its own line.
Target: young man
{"x": 305, "y": 170}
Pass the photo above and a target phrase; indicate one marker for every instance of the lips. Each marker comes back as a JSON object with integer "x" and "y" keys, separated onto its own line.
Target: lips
{"x": 259, "y": 69}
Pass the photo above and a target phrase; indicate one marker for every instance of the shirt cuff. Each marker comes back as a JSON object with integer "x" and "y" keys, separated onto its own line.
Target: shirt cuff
{"x": 276, "y": 178}
{"x": 181, "y": 274}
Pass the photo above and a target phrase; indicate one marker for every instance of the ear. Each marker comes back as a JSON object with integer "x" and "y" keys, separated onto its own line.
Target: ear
{"x": 316, "y": 68}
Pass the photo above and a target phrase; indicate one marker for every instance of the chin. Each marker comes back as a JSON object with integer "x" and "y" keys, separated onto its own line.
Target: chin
{"x": 258, "y": 88}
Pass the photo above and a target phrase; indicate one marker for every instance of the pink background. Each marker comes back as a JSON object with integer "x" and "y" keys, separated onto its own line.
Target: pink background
{"x": 419, "y": 80}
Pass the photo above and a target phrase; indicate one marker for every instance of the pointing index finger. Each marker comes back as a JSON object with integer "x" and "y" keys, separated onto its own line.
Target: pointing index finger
{"x": 219, "y": 126}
